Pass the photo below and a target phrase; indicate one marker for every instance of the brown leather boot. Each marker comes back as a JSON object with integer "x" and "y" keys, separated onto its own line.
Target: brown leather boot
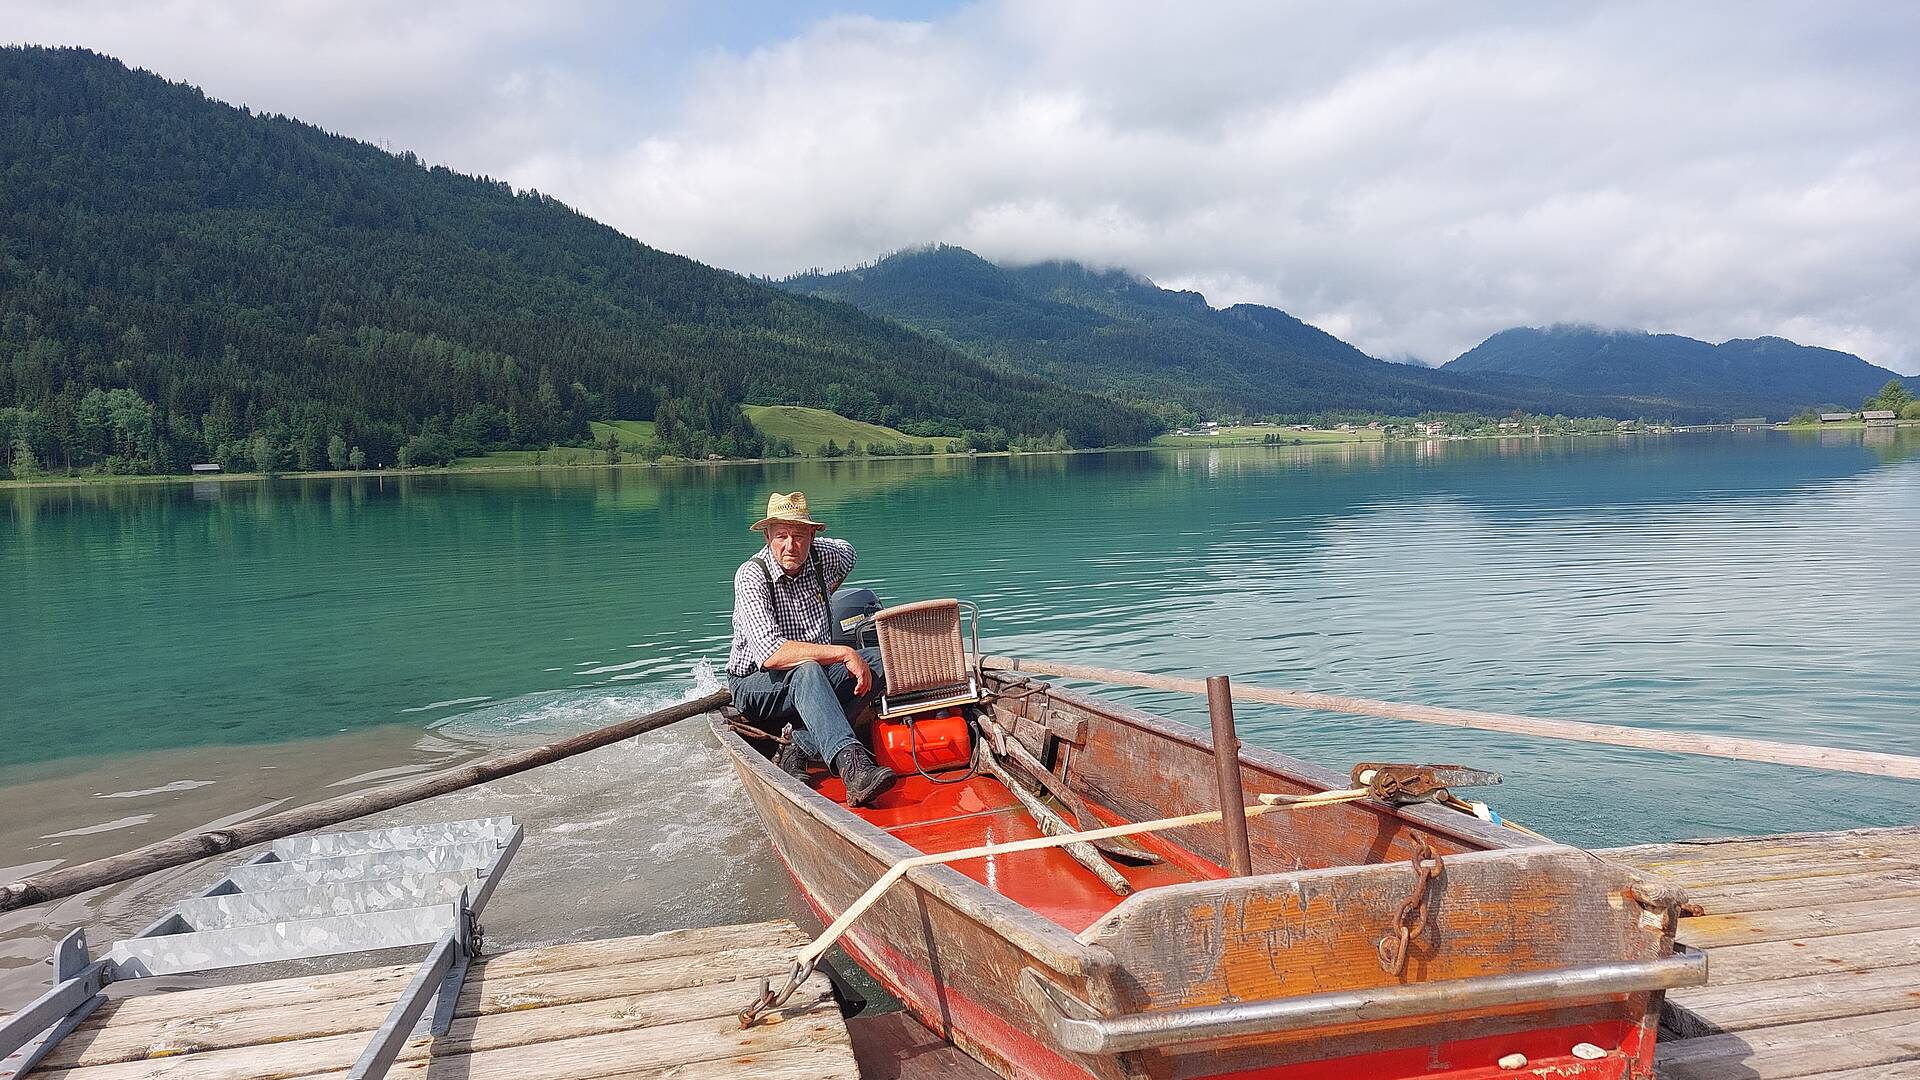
{"x": 790, "y": 759}
{"x": 863, "y": 776}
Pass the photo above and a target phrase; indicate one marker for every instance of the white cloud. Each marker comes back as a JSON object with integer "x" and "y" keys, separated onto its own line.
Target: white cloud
{"x": 1411, "y": 176}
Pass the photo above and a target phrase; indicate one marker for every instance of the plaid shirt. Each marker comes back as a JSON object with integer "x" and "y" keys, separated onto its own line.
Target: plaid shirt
{"x": 761, "y": 626}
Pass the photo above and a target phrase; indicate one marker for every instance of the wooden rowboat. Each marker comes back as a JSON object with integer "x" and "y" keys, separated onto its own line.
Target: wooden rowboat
{"x": 1037, "y": 968}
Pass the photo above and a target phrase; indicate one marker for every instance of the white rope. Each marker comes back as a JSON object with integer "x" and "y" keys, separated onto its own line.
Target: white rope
{"x": 1266, "y": 805}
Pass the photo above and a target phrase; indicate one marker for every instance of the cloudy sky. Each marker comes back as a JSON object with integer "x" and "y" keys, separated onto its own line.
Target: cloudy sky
{"x": 1409, "y": 176}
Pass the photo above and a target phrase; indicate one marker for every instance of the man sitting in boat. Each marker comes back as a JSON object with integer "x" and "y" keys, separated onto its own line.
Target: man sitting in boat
{"x": 784, "y": 666}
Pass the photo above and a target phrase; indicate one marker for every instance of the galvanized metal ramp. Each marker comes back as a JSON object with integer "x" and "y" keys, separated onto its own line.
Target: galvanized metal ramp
{"x": 305, "y": 897}
{"x": 1813, "y": 946}
{"x": 638, "y": 1006}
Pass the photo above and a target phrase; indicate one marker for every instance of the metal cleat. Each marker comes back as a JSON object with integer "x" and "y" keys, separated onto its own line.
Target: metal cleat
{"x": 1402, "y": 784}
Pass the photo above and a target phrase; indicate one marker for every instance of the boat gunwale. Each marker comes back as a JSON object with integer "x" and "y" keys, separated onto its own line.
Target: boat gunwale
{"x": 1458, "y": 826}
{"x": 1301, "y": 880}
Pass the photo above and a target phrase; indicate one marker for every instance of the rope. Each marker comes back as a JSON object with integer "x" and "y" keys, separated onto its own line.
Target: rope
{"x": 803, "y": 963}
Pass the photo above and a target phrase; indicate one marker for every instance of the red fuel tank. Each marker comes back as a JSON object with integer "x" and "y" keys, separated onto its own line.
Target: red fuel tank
{"x": 937, "y": 741}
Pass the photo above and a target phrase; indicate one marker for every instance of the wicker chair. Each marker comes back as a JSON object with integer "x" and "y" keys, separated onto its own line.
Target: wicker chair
{"x": 925, "y": 657}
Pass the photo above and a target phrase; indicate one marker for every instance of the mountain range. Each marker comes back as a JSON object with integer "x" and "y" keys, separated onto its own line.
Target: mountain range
{"x": 1117, "y": 333}
{"x": 1170, "y": 352}
{"x": 253, "y": 288}
{"x": 1745, "y": 376}
{"x": 182, "y": 280}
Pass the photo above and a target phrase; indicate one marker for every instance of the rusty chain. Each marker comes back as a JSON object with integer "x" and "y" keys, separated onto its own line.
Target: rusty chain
{"x": 769, "y": 999}
{"x": 1412, "y": 917}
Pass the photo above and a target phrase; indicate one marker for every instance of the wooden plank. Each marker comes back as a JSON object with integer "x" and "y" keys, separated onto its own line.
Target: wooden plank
{"x": 214, "y": 1031}
{"x": 300, "y": 994}
{"x": 1751, "y": 927}
{"x": 1710, "y": 1010}
{"x": 1900, "y": 1070}
{"x": 1898, "y": 837}
{"x": 1797, "y": 866}
{"x": 700, "y": 1025}
{"x": 1035, "y": 709}
{"x": 674, "y": 1045}
{"x": 612, "y": 1012}
{"x": 1724, "y": 859}
{"x": 1765, "y": 896}
{"x": 694, "y": 942}
{"x": 895, "y": 1046}
{"x": 1810, "y": 956}
{"x": 385, "y": 983}
{"x": 486, "y": 993}
{"x": 1795, "y": 1050}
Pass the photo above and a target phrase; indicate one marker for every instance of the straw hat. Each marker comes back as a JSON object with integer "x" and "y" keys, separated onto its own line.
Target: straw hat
{"x": 790, "y": 508}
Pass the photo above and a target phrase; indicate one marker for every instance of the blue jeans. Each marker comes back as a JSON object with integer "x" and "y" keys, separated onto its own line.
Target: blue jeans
{"x": 820, "y": 698}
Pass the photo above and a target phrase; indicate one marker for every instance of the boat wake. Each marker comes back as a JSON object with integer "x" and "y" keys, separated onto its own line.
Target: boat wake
{"x": 648, "y": 834}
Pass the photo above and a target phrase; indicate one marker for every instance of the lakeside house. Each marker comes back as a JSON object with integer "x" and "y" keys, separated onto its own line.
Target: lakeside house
{"x": 1835, "y": 417}
{"x": 1626, "y": 426}
{"x": 204, "y": 467}
{"x": 1433, "y": 430}
{"x": 1878, "y": 417}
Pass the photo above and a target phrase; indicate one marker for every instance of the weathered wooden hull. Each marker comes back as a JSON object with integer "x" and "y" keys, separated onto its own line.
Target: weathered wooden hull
{"x": 978, "y": 966}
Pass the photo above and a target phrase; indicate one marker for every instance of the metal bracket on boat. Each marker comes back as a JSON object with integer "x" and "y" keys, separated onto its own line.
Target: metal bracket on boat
{"x": 1402, "y": 784}
{"x": 1075, "y": 1026}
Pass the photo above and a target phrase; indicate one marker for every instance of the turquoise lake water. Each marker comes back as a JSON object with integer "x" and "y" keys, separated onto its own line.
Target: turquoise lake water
{"x": 177, "y": 657}
{"x": 1760, "y": 584}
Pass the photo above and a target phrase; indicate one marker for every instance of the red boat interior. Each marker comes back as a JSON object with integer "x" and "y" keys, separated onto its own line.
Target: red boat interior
{"x": 935, "y": 817}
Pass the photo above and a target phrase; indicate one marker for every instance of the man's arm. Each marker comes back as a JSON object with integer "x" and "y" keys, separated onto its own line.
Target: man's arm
{"x": 794, "y": 653}
{"x": 836, "y": 560}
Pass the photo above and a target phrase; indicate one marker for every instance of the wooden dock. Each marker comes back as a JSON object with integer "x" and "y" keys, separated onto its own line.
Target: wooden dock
{"x": 1815, "y": 960}
{"x": 653, "y": 1006}
{"x": 1814, "y": 956}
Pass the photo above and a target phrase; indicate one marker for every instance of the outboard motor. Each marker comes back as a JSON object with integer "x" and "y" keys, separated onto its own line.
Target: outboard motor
{"x": 852, "y": 611}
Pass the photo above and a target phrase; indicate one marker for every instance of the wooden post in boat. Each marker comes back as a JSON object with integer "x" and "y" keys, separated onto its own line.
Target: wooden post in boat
{"x": 1226, "y": 763}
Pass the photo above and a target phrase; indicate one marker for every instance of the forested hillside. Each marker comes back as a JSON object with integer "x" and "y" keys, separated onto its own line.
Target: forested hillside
{"x": 1118, "y": 333}
{"x": 181, "y": 280}
{"x": 1760, "y": 376}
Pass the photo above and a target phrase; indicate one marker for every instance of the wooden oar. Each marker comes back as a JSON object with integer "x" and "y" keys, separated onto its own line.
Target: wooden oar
{"x": 1898, "y": 766}
{"x": 186, "y": 849}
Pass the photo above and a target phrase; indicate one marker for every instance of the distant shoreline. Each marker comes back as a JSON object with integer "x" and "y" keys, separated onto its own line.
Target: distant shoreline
{"x": 1199, "y": 442}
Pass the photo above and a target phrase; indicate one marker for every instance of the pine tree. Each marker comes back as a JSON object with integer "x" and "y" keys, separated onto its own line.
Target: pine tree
{"x": 25, "y": 465}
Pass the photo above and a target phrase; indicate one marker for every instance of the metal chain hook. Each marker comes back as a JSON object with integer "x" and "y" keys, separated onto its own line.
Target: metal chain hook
{"x": 768, "y": 1000}
{"x": 1412, "y": 917}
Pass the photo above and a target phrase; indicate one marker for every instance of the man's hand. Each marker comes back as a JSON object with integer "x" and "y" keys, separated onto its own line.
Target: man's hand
{"x": 795, "y": 653}
{"x": 861, "y": 672}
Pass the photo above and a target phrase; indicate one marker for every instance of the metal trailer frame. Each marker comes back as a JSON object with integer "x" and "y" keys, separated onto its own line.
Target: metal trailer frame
{"x": 306, "y": 896}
